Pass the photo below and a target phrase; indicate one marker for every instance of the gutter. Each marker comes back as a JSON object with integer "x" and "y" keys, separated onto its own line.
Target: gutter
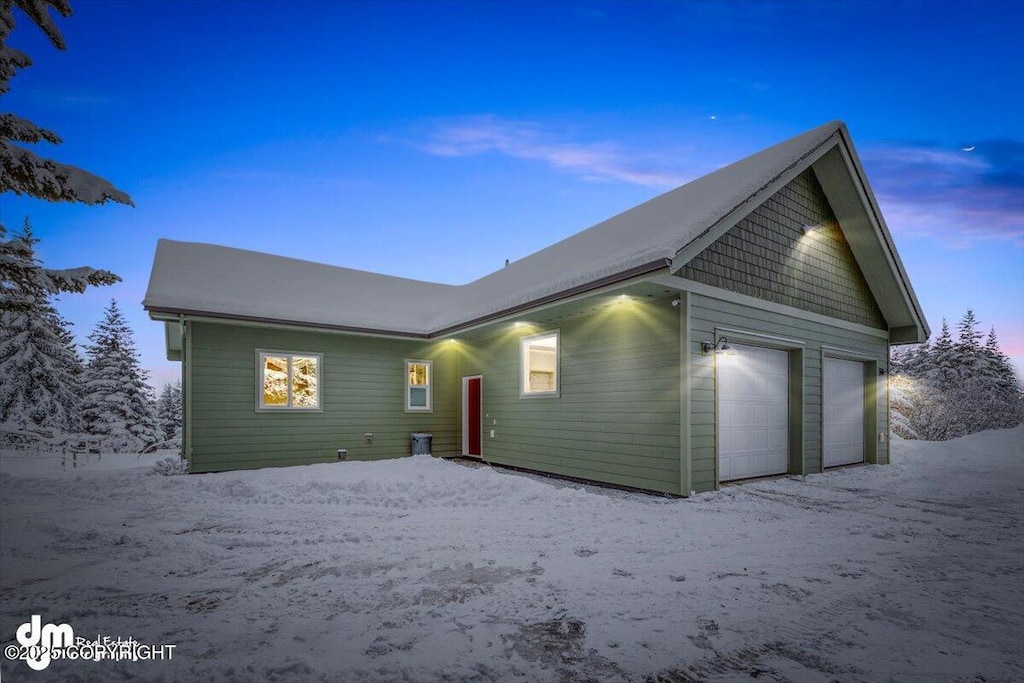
{"x": 191, "y": 313}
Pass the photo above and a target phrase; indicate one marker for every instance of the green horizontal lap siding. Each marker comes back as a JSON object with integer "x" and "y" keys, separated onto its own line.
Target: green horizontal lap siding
{"x": 363, "y": 390}
{"x": 707, "y": 314}
{"x": 616, "y": 419}
{"x": 766, "y": 255}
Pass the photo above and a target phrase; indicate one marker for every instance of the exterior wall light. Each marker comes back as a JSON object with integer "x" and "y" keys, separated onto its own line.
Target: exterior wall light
{"x": 808, "y": 229}
{"x": 722, "y": 346}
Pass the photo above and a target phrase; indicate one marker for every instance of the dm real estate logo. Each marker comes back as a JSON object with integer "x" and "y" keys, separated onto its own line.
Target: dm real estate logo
{"x": 39, "y": 644}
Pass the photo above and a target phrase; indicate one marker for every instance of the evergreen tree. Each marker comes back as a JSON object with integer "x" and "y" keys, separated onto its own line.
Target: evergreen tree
{"x": 23, "y": 172}
{"x": 967, "y": 331}
{"x": 999, "y": 364}
{"x": 903, "y": 400}
{"x": 75, "y": 369}
{"x": 968, "y": 347}
{"x": 941, "y": 361}
{"x": 949, "y": 389}
{"x": 168, "y": 412}
{"x": 117, "y": 406}
{"x": 41, "y": 370}
{"x": 1005, "y": 400}
{"x": 23, "y": 280}
{"x": 39, "y": 362}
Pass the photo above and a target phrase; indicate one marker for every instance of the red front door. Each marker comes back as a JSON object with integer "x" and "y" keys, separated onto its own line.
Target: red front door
{"x": 473, "y": 421}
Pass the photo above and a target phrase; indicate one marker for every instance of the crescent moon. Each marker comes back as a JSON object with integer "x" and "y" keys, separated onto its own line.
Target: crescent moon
{"x": 968, "y": 149}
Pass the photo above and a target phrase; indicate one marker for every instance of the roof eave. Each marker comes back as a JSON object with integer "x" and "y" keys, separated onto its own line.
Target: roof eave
{"x": 920, "y": 321}
{"x": 165, "y": 312}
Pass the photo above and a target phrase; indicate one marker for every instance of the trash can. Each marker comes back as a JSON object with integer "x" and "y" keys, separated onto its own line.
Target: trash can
{"x": 421, "y": 443}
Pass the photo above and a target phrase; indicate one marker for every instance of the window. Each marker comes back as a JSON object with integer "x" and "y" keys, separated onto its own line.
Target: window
{"x": 538, "y": 360}
{"x": 288, "y": 381}
{"x": 417, "y": 385}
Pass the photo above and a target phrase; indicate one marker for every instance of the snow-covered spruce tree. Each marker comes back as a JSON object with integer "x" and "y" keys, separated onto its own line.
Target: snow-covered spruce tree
{"x": 41, "y": 371}
{"x": 117, "y": 406}
{"x": 935, "y": 375}
{"x": 953, "y": 388}
{"x": 39, "y": 363}
{"x": 903, "y": 399}
{"x": 21, "y": 170}
{"x": 76, "y": 370}
{"x": 970, "y": 402}
{"x": 1005, "y": 404}
{"x": 168, "y": 413}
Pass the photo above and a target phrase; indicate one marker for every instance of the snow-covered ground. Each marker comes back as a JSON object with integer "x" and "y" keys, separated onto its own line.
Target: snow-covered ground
{"x": 425, "y": 570}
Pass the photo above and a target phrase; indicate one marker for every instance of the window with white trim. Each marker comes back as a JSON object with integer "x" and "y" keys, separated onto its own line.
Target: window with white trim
{"x": 418, "y": 386}
{"x": 538, "y": 362}
{"x": 288, "y": 381}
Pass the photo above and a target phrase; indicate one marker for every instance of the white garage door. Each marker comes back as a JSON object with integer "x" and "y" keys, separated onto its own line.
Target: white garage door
{"x": 843, "y": 404}
{"x": 753, "y": 413}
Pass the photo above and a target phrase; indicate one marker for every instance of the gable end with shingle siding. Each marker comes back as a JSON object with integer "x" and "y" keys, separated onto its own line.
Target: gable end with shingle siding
{"x": 768, "y": 256}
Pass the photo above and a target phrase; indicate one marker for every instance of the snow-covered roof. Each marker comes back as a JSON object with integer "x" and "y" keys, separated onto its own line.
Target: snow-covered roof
{"x": 222, "y": 281}
{"x": 207, "y": 278}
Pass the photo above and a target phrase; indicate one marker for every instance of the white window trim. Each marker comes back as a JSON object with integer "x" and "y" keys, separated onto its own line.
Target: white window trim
{"x": 429, "y": 408}
{"x": 523, "y": 343}
{"x": 261, "y": 408}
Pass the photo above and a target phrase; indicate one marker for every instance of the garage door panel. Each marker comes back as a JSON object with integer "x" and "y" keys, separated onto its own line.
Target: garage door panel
{"x": 753, "y": 413}
{"x": 843, "y": 412}
{"x": 778, "y": 439}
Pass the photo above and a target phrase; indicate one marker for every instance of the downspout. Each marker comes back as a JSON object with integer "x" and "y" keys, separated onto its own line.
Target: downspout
{"x": 186, "y": 391}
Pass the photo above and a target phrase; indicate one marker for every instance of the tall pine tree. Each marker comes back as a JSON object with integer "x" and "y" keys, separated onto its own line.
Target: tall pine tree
{"x": 39, "y": 362}
{"x": 168, "y": 413}
{"x": 117, "y": 406}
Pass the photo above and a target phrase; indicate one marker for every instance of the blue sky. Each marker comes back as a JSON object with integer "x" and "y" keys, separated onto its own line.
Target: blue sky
{"x": 435, "y": 140}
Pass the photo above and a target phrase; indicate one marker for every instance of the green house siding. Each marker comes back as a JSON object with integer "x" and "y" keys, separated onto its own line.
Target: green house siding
{"x": 811, "y": 341}
{"x": 363, "y": 391}
{"x": 616, "y": 418}
{"x": 767, "y": 255}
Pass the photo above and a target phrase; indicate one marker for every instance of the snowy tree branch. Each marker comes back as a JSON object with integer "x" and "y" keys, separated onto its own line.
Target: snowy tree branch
{"x": 10, "y": 61}
{"x": 21, "y": 171}
{"x": 22, "y": 130}
{"x": 23, "y": 279}
{"x": 25, "y": 173}
{"x": 39, "y": 12}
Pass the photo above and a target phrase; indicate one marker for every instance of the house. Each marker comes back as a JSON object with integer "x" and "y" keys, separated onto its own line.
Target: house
{"x": 737, "y": 326}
